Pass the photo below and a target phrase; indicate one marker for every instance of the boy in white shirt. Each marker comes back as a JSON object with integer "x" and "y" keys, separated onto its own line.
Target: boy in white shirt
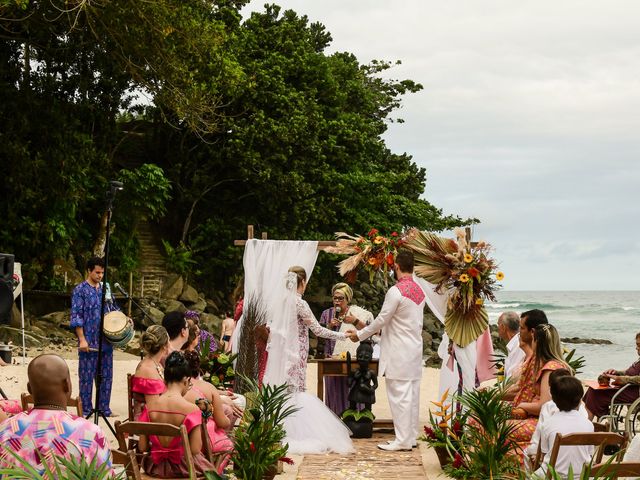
{"x": 546, "y": 411}
{"x": 566, "y": 392}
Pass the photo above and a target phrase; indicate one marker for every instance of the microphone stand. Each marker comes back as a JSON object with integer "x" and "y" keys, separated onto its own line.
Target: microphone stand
{"x": 96, "y": 412}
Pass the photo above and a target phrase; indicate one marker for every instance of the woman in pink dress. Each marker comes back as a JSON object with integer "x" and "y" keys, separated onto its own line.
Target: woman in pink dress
{"x": 148, "y": 381}
{"x": 207, "y": 397}
{"x": 533, "y": 386}
{"x": 167, "y": 459}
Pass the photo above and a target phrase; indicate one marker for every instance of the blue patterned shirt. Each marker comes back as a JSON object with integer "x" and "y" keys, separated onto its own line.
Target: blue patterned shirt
{"x": 85, "y": 313}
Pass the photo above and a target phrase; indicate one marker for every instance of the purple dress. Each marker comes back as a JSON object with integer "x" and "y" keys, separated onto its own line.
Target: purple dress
{"x": 599, "y": 401}
{"x": 336, "y": 389}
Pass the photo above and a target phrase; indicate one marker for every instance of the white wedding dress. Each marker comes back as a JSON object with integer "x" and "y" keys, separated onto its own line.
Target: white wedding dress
{"x": 313, "y": 428}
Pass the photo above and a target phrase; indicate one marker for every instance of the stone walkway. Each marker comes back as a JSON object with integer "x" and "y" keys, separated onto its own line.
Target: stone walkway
{"x": 368, "y": 463}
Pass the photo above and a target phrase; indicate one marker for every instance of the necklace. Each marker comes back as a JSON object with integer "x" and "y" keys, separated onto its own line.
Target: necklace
{"x": 49, "y": 406}
{"x": 159, "y": 368}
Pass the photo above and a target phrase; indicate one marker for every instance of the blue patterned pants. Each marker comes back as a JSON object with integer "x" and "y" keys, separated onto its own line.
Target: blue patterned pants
{"x": 87, "y": 365}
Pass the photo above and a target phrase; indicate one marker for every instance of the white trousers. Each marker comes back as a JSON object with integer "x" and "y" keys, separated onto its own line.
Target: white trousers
{"x": 404, "y": 401}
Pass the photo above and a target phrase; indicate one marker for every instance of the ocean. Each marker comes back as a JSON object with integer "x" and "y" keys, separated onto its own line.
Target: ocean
{"x": 613, "y": 316}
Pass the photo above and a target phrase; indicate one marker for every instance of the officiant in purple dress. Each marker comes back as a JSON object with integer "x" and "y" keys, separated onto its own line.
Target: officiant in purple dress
{"x": 336, "y": 389}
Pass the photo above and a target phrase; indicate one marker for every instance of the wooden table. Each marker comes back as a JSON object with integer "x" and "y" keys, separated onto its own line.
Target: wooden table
{"x": 337, "y": 367}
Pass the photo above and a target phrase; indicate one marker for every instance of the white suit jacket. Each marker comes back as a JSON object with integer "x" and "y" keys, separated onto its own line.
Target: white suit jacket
{"x": 400, "y": 320}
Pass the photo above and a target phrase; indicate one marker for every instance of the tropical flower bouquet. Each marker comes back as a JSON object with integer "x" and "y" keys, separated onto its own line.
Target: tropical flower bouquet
{"x": 464, "y": 271}
{"x": 217, "y": 366}
{"x": 375, "y": 252}
{"x": 444, "y": 431}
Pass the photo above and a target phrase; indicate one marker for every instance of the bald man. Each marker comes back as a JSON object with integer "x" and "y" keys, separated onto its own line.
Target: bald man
{"x": 48, "y": 429}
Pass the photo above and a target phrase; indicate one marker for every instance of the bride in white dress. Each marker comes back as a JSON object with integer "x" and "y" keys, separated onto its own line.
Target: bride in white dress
{"x": 313, "y": 428}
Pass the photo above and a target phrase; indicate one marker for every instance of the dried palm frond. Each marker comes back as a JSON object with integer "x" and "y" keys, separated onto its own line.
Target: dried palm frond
{"x": 462, "y": 271}
{"x": 254, "y": 314}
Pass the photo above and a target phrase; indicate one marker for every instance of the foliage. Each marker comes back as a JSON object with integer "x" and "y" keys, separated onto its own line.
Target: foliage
{"x": 179, "y": 259}
{"x": 486, "y": 446}
{"x": 251, "y": 121}
{"x": 358, "y": 415}
{"x": 58, "y": 468}
{"x": 576, "y": 364}
{"x": 445, "y": 427}
{"x": 463, "y": 270}
{"x": 257, "y": 441}
{"x": 374, "y": 252}
{"x": 217, "y": 366}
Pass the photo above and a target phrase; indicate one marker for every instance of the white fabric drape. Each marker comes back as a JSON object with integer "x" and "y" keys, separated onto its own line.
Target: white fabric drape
{"x": 266, "y": 265}
{"x": 465, "y": 357}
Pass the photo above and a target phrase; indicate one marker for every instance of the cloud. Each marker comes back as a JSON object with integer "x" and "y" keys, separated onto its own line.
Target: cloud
{"x": 527, "y": 121}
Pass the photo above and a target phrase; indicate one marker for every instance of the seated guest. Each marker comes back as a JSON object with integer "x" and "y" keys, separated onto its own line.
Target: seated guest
{"x": 48, "y": 429}
{"x": 566, "y": 393}
{"x": 206, "y": 396}
{"x": 191, "y": 343}
{"x": 177, "y": 328}
{"x": 533, "y": 385}
{"x": 598, "y": 401}
{"x": 529, "y": 321}
{"x": 166, "y": 459}
{"x": 509, "y": 331}
{"x": 230, "y": 406}
{"x": 548, "y": 409}
{"x": 149, "y": 377}
{"x": 204, "y": 335}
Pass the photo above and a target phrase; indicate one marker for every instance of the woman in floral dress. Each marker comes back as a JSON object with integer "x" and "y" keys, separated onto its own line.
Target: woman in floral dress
{"x": 533, "y": 391}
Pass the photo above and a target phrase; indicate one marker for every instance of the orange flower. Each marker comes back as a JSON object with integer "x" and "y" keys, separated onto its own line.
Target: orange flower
{"x": 378, "y": 240}
{"x": 371, "y": 261}
{"x": 390, "y": 259}
{"x": 474, "y": 272}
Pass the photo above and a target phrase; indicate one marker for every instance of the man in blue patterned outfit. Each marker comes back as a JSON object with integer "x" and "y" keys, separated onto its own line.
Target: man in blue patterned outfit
{"x": 85, "y": 319}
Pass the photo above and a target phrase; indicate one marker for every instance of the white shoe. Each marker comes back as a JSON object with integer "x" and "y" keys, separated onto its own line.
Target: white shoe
{"x": 415, "y": 445}
{"x": 393, "y": 447}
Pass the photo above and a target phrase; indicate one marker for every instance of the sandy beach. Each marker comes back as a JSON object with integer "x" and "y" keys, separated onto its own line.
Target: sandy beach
{"x": 13, "y": 380}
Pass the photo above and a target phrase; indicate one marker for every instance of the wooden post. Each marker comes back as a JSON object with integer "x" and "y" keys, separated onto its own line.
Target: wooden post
{"x": 264, "y": 235}
{"x": 130, "y": 289}
{"x": 249, "y": 232}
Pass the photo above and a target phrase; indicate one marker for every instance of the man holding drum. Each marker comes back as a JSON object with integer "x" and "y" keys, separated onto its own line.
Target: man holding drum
{"x": 85, "y": 319}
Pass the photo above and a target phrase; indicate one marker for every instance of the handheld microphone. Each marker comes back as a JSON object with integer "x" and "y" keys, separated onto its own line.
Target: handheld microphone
{"x": 337, "y": 312}
{"x": 121, "y": 290}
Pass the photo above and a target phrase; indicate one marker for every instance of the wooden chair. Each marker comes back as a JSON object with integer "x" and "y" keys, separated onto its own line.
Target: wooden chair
{"x": 615, "y": 470}
{"x": 130, "y": 403}
{"x": 129, "y": 461}
{"x": 133, "y": 429}
{"x": 216, "y": 459}
{"x": 27, "y": 402}
{"x": 596, "y": 439}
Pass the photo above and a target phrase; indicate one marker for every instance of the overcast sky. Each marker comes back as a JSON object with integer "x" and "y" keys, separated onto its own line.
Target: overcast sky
{"x": 529, "y": 120}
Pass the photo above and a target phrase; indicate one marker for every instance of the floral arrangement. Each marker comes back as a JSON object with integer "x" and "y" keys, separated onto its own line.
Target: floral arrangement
{"x": 217, "y": 366}
{"x": 464, "y": 271}
{"x": 375, "y": 252}
{"x": 444, "y": 431}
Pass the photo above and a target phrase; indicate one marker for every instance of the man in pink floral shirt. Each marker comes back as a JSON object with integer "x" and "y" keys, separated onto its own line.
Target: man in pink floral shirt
{"x": 48, "y": 430}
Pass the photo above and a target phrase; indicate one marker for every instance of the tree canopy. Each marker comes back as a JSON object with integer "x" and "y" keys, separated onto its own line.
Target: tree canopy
{"x": 246, "y": 122}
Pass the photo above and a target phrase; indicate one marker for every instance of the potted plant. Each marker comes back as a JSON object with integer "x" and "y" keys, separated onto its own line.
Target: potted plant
{"x": 257, "y": 441}
{"x": 444, "y": 431}
{"x": 360, "y": 422}
{"x": 486, "y": 448}
{"x": 56, "y": 467}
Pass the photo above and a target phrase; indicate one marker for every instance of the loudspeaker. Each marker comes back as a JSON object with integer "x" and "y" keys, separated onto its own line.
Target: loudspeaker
{"x": 6, "y": 286}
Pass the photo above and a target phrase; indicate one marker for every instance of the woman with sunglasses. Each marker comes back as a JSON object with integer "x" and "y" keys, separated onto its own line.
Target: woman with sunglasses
{"x": 340, "y": 317}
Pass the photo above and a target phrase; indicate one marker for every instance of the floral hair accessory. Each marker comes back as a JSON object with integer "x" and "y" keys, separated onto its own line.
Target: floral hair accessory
{"x": 191, "y": 314}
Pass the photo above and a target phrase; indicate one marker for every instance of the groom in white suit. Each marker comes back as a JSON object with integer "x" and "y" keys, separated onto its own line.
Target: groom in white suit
{"x": 400, "y": 320}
